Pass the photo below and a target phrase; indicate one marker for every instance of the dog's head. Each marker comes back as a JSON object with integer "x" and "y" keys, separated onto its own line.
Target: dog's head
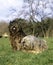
{"x": 14, "y": 27}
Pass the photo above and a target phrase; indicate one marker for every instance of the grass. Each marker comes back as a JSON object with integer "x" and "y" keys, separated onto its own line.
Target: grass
{"x": 10, "y": 57}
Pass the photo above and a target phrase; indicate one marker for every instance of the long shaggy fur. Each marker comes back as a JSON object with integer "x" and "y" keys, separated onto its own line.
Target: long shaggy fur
{"x": 32, "y": 44}
{"x": 19, "y": 40}
{"x": 16, "y": 34}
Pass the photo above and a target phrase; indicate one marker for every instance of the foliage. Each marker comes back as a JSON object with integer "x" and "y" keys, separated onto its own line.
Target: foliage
{"x": 41, "y": 29}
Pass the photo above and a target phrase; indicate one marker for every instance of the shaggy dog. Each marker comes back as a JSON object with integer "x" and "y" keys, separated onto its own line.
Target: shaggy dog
{"x": 19, "y": 40}
{"x": 32, "y": 44}
{"x": 16, "y": 34}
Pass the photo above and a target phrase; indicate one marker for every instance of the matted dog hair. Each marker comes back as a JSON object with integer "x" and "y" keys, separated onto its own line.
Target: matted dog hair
{"x": 16, "y": 34}
{"x": 33, "y": 44}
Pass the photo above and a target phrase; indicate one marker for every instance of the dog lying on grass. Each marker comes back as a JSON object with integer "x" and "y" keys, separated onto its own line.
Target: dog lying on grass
{"x": 32, "y": 44}
{"x": 19, "y": 40}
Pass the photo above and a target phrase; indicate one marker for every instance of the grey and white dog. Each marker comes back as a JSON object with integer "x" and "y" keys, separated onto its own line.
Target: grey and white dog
{"x": 32, "y": 44}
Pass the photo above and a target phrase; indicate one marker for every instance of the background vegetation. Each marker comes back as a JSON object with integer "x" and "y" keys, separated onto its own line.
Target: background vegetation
{"x": 39, "y": 29}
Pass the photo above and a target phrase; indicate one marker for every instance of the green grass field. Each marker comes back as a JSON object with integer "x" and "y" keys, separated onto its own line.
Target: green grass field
{"x": 10, "y": 57}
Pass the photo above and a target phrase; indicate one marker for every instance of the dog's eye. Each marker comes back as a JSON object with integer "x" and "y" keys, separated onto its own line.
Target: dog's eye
{"x": 14, "y": 28}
